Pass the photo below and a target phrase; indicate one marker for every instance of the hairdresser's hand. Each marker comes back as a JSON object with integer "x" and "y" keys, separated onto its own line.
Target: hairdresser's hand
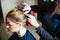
{"x": 26, "y": 8}
{"x": 32, "y": 20}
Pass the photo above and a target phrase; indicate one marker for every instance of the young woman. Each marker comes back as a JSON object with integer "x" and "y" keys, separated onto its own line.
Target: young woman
{"x": 15, "y": 23}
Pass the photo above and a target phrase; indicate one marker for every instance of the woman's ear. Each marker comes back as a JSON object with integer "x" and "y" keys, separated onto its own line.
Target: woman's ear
{"x": 24, "y": 21}
{"x": 18, "y": 23}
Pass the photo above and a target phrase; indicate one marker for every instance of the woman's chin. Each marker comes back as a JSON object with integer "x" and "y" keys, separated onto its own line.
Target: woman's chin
{"x": 10, "y": 30}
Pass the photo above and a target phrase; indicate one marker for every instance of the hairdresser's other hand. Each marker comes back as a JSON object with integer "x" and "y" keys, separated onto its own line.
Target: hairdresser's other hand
{"x": 26, "y": 8}
{"x": 32, "y": 20}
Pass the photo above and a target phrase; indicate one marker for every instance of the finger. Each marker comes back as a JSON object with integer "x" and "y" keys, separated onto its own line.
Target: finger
{"x": 26, "y": 7}
{"x": 29, "y": 20}
{"x": 26, "y": 11}
{"x": 30, "y": 16}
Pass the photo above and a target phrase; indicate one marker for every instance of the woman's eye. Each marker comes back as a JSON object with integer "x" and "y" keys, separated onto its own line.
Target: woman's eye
{"x": 8, "y": 24}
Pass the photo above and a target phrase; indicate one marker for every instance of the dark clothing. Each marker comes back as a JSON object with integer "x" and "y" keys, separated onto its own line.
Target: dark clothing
{"x": 43, "y": 9}
{"x": 27, "y": 36}
{"x": 44, "y": 35}
{"x": 50, "y": 24}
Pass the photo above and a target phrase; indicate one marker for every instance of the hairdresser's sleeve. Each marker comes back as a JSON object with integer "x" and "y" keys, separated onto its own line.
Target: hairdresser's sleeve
{"x": 44, "y": 34}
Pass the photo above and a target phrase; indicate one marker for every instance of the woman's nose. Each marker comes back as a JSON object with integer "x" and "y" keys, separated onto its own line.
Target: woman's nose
{"x": 7, "y": 26}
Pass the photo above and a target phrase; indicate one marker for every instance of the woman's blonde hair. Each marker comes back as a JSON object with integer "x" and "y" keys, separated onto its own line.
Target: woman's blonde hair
{"x": 16, "y": 15}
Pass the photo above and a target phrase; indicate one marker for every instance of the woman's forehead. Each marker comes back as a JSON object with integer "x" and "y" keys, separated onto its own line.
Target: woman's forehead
{"x": 10, "y": 20}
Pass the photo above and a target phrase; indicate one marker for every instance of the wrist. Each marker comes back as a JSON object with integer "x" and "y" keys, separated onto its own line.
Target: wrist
{"x": 37, "y": 28}
{"x": 37, "y": 25}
